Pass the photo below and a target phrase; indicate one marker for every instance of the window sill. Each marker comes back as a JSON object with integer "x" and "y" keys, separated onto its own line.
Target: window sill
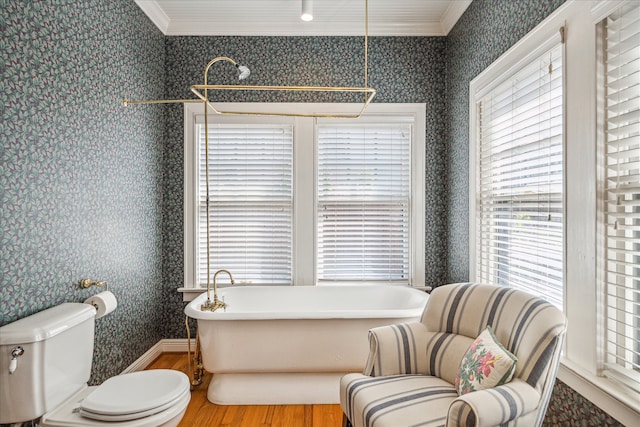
{"x": 189, "y": 294}
{"x": 618, "y": 403}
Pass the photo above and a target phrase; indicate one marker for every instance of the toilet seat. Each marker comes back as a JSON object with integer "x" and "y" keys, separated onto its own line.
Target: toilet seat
{"x": 135, "y": 395}
{"x": 68, "y": 414}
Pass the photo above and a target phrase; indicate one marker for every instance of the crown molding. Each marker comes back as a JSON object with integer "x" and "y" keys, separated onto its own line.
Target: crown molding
{"x": 209, "y": 27}
{"x": 343, "y": 28}
{"x": 452, "y": 14}
{"x": 155, "y": 13}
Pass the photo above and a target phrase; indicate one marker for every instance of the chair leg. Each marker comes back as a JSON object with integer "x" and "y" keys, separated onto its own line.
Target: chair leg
{"x": 345, "y": 421}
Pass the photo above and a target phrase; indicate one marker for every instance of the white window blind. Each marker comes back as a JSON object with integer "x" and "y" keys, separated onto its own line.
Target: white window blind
{"x": 519, "y": 205}
{"x": 251, "y": 202}
{"x": 363, "y": 193}
{"x": 622, "y": 193}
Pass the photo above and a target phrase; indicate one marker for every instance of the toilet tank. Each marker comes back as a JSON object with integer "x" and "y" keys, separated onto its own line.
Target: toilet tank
{"x": 56, "y": 363}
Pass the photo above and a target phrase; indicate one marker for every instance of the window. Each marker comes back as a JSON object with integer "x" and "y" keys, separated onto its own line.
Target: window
{"x": 364, "y": 195}
{"x": 600, "y": 167}
{"x": 304, "y": 201}
{"x": 620, "y": 183}
{"x": 519, "y": 197}
{"x": 251, "y": 201}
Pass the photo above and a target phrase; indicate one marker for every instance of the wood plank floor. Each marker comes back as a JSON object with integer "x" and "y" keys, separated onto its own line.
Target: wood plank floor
{"x": 201, "y": 412}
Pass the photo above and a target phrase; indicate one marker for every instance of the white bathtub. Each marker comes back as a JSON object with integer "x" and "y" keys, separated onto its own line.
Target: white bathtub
{"x": 291, "y": 344}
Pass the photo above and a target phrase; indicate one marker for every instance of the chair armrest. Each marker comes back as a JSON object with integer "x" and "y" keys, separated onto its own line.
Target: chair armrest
{"x": 494, "y": 406}
{"x": 396, "y": 349}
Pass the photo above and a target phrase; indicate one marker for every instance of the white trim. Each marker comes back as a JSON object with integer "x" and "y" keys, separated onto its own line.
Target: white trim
{"x": 304, "y": 189}
{"x": 162, "y": 346}
{"x": 622, "y": 406}
{"x": 530, "y": 46}
{"x": 155, "y": 14}
{"x": 304, "y": 184}
{"x": 145, "y": 360}
{"x": 418, "y": 188}
{"x": 190, "y": 176}
{"x": 579, "y": 366}
{"x": 353, "y": 28}
{"x": 535, "y": 42}
{"x": 203, "y": 26}
{"x": 189, "y": 294}
{"x": 177, "y": 345}
{"x": 453, "y": 13}
{"x": 604, "y": 8}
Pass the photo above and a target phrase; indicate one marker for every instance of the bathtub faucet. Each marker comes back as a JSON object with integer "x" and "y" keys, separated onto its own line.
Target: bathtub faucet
{"x": 216, "y": 304}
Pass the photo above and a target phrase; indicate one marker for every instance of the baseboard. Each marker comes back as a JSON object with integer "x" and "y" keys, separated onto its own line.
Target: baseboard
{"x": 624, "y": 408}
{"x": 177, "y": 345}
{"x": 162, "y": 346}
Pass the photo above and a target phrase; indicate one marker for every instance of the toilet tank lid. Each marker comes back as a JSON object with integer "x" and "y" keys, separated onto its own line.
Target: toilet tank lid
{"x": 46, "y": 323}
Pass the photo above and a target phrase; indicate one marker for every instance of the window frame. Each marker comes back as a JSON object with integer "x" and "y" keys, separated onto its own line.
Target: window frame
{"x": 305, "y": 213}
{"x": 278, "y": 196}
{"x": 581, "y": 360}
{"x": 608, "y": 369}
{"x": 482, "y": 89}
{"x": 376, "y": 120}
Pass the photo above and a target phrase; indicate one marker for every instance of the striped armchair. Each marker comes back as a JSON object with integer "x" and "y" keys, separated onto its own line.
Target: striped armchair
{"x": 411, "y": 370}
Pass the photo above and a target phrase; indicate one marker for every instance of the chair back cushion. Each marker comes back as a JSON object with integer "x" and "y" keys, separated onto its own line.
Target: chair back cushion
{"x": 528, "y": 326}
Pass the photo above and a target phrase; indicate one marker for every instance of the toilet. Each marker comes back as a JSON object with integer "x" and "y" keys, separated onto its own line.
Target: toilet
{"x": 45, "y": 363}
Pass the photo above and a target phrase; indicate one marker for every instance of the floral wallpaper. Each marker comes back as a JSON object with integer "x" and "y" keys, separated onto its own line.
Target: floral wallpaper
{"x": 80, "y": 174}
{"x": 402, "y": 69}
{"x": 487, "y": 29}
{"x": 568, "y": 408}
{"x": 90, "y": 188}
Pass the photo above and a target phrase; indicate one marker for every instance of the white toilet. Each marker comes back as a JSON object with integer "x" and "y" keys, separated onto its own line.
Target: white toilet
{"x": 45, "y": 363}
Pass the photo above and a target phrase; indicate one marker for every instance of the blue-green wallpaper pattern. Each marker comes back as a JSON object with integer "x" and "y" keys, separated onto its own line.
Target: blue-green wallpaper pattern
{"x": 80, "y": 175}
{"x": 487, "y": 29}
{"x": 92, "y": 189}
{"x": 402, "y": 69}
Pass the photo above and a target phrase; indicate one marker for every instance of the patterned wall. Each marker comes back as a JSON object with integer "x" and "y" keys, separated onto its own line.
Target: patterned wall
{"x": 402, "y": 69}
{"x": 487, "y": 29}
{"x": 80, "y": 175}
{"x": 89, "y": 189}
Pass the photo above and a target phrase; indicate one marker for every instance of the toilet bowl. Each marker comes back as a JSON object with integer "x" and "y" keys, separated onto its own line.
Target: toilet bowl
{"x": 141, "y": 399}
{"x": 45, "y": 364}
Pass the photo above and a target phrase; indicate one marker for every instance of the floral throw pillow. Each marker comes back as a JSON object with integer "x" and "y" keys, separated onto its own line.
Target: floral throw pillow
{"x": 486, "y": 364}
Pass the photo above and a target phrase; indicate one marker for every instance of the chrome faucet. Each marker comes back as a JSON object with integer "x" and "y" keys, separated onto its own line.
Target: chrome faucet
{"x": 216, "y": 304}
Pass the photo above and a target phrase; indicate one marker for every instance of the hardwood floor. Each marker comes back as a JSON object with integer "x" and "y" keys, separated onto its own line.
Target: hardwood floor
{"x": 201, "y": 412}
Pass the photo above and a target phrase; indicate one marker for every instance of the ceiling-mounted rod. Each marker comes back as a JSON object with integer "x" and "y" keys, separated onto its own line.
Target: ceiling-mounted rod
{"x": 366, "y": 43}
{"x": 244, "y": 72}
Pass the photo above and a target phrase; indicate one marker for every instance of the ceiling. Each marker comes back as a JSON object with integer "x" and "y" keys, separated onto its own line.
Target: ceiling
{"x": 282, "y": 17}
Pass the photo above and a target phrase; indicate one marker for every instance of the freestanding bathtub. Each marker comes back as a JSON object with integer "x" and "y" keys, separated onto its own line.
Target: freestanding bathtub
{"x": 291, "y": 344}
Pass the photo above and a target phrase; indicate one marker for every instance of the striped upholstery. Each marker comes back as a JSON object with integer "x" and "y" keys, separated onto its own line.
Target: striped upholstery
{"x": 409, "y": 374}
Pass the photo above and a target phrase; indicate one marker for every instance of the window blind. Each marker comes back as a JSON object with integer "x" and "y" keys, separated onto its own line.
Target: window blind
{"x": 363, "y": 193}
{"x": 520, "y": 180}
{"x": 622, "y": 201}
{"x": 251, "y": 202}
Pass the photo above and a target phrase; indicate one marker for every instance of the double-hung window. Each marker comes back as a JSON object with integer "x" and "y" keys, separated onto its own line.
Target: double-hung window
{"x": 250, "y": 201}
{"x": 304, "y": 201}
{"x": 519, "y": 177}
{"x": 555, "y": 187}
{"x": 363, "y": 202}
{"x": 620, "y": 192}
